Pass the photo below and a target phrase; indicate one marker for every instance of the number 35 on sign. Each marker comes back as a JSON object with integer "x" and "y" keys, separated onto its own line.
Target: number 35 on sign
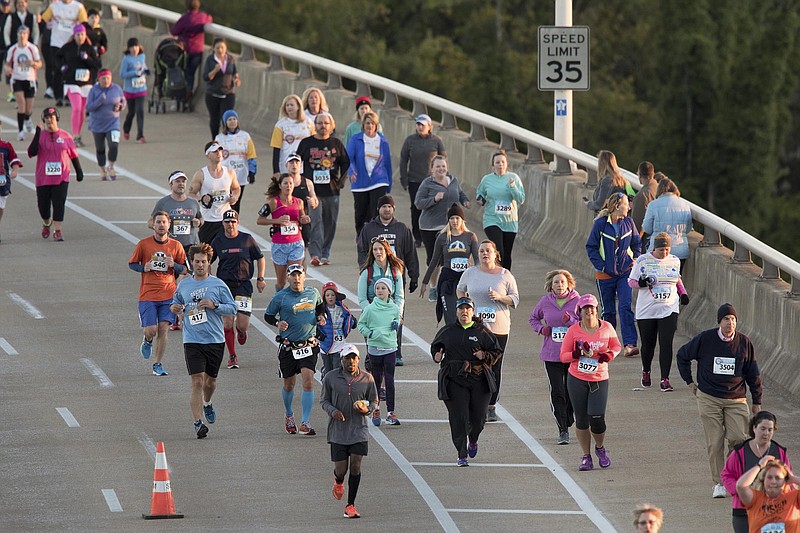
{"x": 563, "y": 58}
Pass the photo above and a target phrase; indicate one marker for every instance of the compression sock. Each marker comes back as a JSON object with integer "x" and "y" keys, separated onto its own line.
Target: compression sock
{"x": 352, "y": 488}
{"x": 307, "y": 401}
{"x": 229, "y": 338}
{"x": 20, "y": 121}
{"x": 287, "y": 396}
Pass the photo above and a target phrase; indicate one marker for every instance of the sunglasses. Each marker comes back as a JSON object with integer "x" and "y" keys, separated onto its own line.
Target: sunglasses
{"x": 230, "y": 221}
{"x": 379, "y": 238}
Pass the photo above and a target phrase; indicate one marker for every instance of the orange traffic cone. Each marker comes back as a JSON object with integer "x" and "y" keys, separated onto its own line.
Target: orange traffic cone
{"x": 162, "y": 506}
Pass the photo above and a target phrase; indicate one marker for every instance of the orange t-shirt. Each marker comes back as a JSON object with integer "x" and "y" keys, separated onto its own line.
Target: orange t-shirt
{"x": 158, "y": 284}
{"x": 781, "y": 511}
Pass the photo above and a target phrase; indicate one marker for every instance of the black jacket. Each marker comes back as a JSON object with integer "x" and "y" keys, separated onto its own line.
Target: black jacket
{"x": 400, "y": 239}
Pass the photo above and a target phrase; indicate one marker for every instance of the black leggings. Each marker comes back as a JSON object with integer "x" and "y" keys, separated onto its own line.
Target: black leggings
{"x": 589, "y": 399}
{"x": 497, "y": 368}
{"x": 216, "y": 108}
{"x": 504, "y": 241}
{"x": 415, "y": 213}
{"x": 52, "y": 195}
{"x": 466, "y": 411}
{"x": 100, "y": 140}
{"x": 557, "y": 373}
{"x": 135, "y": 107}
{"x": 365, "y": 205}
{"x": 664, "y": 329}
{"x": 429, "y": 240}
{"x": 383, "y": 369}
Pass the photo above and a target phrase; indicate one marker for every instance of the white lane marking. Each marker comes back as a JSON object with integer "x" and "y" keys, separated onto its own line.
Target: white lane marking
{"x": 68, "y": 418}
{"x": 423, "y": 421}
{"x": 97, "y": 372}
{"x": 430, "y": 498}
{"x": 116, "y": 198}
{"x": 415, "y": 381}
{"x": 491, "y": 465}
{"x": 150, "y": 447}
{"x": 516, "y": 511}
{"x": 112, "y": 501}
{"x": 25, "y": 305}
{"x": 580, "y": 497}
{"x": 141, "y": 222}
{"x": 4, "y": 344}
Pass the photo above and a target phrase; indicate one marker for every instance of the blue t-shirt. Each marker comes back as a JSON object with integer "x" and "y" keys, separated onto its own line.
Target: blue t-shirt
{"x": 298, "y": 309}
{"x": 204, "y": 326}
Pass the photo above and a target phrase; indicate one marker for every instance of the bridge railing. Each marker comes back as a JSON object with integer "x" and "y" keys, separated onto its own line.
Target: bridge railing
{"x": 511, "y": 136}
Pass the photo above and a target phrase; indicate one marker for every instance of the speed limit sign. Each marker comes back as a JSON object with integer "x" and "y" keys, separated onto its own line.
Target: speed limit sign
{"x": 563, "y": 58}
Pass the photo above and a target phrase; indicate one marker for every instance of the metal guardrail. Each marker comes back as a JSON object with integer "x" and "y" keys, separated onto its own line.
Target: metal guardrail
{"x": 511, "y": 136}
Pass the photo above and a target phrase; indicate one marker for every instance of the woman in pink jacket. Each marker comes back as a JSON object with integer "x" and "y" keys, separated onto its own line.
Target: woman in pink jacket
{"x": 588, "y": 346}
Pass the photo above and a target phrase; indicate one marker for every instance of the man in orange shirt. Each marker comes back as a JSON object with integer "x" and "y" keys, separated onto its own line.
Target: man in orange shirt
{"x": 159, "y": 259}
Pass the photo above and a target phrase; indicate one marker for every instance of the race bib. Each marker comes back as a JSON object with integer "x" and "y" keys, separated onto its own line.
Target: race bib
{"x": 52, "y": 168}
{"x": 290, "y": 229}
{"x": 182, "y": 227}
{"x": 66, "y": 25}
{"x": 302, "y": 353}
{"x": 487, "y": 314}
{"x": 587, "y": 365}
{"x": 661, "y": 293}
{"x": 81, "y": 74}
{"x": 236, "y": 164}
{"x": 725, "y": 366}
{"x": 774, "y": 527}
{"x": 158, "y": 264}
{"x": 338, "y": 338}
{"x": 2, "y": 179}
{"x": 502, "y": 207}
{"x": 244, "y": 303}
{"x": 322, "y": 176}
{"x": 459, "y": 264}
{"x": 197, "y": 316}
{"x": 139, "y": 82}
{"x": 558, "y": 334}
{"x": 219, "y": 197}
{"x": 114, "y": 136}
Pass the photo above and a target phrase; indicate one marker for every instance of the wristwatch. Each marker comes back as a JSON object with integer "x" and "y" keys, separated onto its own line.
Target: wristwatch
{"x": 260, "y": 278}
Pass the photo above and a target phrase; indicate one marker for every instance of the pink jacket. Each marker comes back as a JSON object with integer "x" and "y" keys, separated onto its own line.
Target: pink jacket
{"x": 734, "y": 468}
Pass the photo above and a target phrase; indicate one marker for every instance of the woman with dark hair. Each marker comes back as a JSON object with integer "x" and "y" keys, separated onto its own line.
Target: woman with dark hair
{"x": 221, "y": 79}
{"x": 133, "y": 71}
{"x": 79, "y": 71}
{"x": 747, "y": 455}
{"x": 671, "y": 214}
{"x": 190, "y": 29}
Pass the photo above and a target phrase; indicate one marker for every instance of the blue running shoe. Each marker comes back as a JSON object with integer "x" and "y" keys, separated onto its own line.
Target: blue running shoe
{"x": 210, "y": 413}
{"x": 158, "y": 370}
{"x": 146, "y": 348}
{"x": 462, "y": 461}
{"x": 201, "y": 429}
{"x": 472, "y": 449}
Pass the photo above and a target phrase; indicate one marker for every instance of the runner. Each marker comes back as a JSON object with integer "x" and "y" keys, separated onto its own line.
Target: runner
{"x": 378, "y": 323}
{"x": 339, "y": 321}
{"x": 10, "y": 168}
{"x": 296, "y": 311}
{"x": 304, "y": 190}
{"x": 104, "y": 103}
{"x": 238, "y": 253}
{"x": 22, "y": 61}
{"x": 202, "y": 300}
{"x": 588, "y": 346}
{"x": 284, "y": 214}
{"x": 238, "y": 152}
{"x": 348, "y": 396}
{"x": 293, "y": 126}
{"x": 466, "y": 351}
{"x": 53, "y": 150}
{"x": 159, "y": 259}
{"x": 769, "y": 493}
{"x": 184, "y": 212}
{"x": 216, "y": 188}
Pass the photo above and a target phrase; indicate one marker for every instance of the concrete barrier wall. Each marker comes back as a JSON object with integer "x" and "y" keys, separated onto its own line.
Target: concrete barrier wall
{"x": 554, "y": 222}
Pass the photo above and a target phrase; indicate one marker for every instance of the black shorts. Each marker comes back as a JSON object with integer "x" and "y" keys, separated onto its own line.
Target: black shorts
{"x": 203, "y": 357}
{"x": 290, "y": 366}
{"x": 28, "y": 88}
{"x": 240, "y": 288}
{"x": 341, "y": 452}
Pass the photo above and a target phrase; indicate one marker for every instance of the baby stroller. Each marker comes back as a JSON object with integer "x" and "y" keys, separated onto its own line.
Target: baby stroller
{"x": 170, "y": 81}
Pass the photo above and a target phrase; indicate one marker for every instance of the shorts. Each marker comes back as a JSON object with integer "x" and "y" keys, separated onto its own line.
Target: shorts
{"x": 83, "y": 90}
{"x": 341, "y": 452}
{"x": 241, "y": 288}
{"x": 290, "y": 366}
{"x": 283, "y": 253}
{"x": 203, "y": 357}
{"x": 27, "y": 88}
{"x": 151, "y": 313}
{"x": 3, "y": 202}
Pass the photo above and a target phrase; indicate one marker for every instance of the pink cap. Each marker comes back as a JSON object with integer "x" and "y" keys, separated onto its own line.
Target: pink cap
{"x": 587, "y": 299}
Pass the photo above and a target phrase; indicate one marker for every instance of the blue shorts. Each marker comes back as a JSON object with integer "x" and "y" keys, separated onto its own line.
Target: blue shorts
{"x": 151, "y": 313}
{"x": 283, "y": 253}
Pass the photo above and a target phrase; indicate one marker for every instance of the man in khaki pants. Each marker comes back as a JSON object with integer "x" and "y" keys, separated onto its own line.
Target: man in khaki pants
{"x": 725, "y": 363}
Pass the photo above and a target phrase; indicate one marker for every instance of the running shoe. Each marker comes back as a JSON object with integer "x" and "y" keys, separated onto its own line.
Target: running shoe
{"x": 210, "y": 413}
{"x": 315, "y": 261}
{"x": 351, "y": 512}
{"x": 325, "y": 261}
{"x": 631, "y": 350}
{"x": 126, "y": 136}
{"x": 382, "y": 394}
{"x": 201, "y": 429}
{"x": 21, "y": 136}
{"x": 418, "y": 244}
{"x": 338, "y": 489}
{"x": 59, "y": 103}
{"x": 563, "y": 437}
{"x": 719, "y": 491}
{"x": 399, "y": 361}
{"x": 158, "y": 370}
{"x": 103, "y": 174}
{"x": 306, "y": 429}
{"x": 432, "y": 294}
{"x": 491, "y": 415}
{"x": 29, "y": 126}
{"x": 462, "y": 461}
{"x": 141, "y": 140}
{"x": 646, "y": 382}
{"x": 602, "y": 457}
{"x": 175, "y": 326}
{"x": 45, "y": 231}
{"x": 233, "y": 361}
{"x": 472, "y": 449}
{"x": 78, "y": 141}
{"x": 57, "y": 236}
{"x": 586, "y": 463}
{"x": 392, "y": 420}
{"x": 48, "y": 93}
{"x": 146, "y": 348}
{"x": 291, "y": 428}
{"x": 665, "y": 385}
{"x": 376, "y": 417}
{"x": 241, "y": 336}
